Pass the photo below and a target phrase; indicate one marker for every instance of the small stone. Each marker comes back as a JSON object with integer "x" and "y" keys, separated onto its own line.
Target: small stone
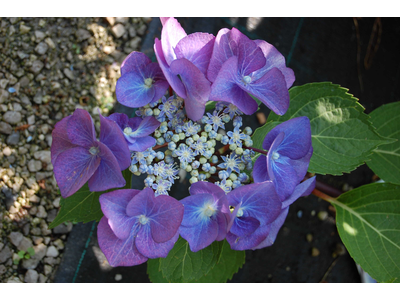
{"x": 51, "y": 215}
{"x": 40, "y": 252}
{"x": 56, "y": 202}
{"x": 50, "y": 43}
{"x": 5, "y": 254}
{"x": 7, "y": 151}
{"x": 12, "y": 117}
{"x": 14, "y": 280}
{"x": 5, "y": 128}
{"x": 38, "y": 97}
{"x": 3, "y": 83}
{"x": 37, "y": 240}
{"x": 25, "y": 100}
{"x": 132, "y": 32}
{"x": 34, "y": 165}
{"x": 340, "y": 249}
{"x": 118, "y": 30}
{"x": 108, "y": 49}
{"x": 52, "y": 252}
{"x": 41, "y": 48}
{"x": 118, "y": 277}
{"x": 82, "y": 34}
{"x": 15, "y": 238}
{"x": 42, "y": 278}
{"x": 3, "y": 95}
{"x": 17, "y": 106}
{"x": 59, "y": 244}
{"x": 111, "y": 20}
{"x": 25, "y": 244}
{"x": 31, "y": 276}
{"x": 13, "y": 138}
{"x": 62, "y": 228}
{"x": 309, "y": 237}
{"x": 313, "y": 213}
{"x": 43, "y": 155}
{"x": 24, "y": 29}
{"x": 39, "y": 35}
{"x": 3, "y": 269}
{"x": 31, "y": 120}
{"x": 37, "y": 66}
{"x": 314, "y": 252}
{"x": 142, "y": 29}
{"x": 69, "y": 74}
{"x": 322, "y": 215}
{"x": 41, "y": 212}
{"x": 47, "y": 269}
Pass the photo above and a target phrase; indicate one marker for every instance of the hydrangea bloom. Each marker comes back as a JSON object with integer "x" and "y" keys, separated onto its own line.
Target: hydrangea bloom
{"x": 288, "y": 157}
{"x": 141, "y": 81}
{"x": 239, "y": 66}
{"x": 137, "y": 130}
{"x": 187, "y": 56}
{"x": 137, "y": 226}
{"x": 78, "y": 157}
{"x": 205, "y": 216}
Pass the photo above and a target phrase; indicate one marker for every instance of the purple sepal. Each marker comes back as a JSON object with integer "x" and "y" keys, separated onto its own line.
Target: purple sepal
{"x": 60, "y": 141}
{"x": 80, "y": 129}
{"x": 73, "y": 168}
{"x": 113, "y": 138}
{"x": 201, "y": 235}
{"x": 171, "y": 33}
{"x": 108, "y": 174}
{"x": 244, "y": 226}
{"x": 249, "y": 241}
{"x": 134, "y": 63}
{"x": 131, "y": 90}
{"x": 196, "y": 85}
{"x": 148, "y": 247}
{"x": 303, "y": 189}
{"x": 113, "y": 206}
{"x": 141, "y": 144}
{"x": 260, "y": 169}
{"x": 118, "y": 252}
{"x": 146, "y": 127}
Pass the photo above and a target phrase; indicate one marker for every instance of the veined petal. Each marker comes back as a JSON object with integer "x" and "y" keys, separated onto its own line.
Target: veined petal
{"x": 160, "y": 83}
{"x": 60, "y": 141}
{"x": 151, "y": 249}
{"x": 270, "y": 90}
{"x": 197, "y": 87}
{"x": 249, "y": 241}
{"x": 108, "y": 175}
{"x": 297, "y": 141}
{"x": 141, "y": 144}
{"x": 285, "y": 179}
{"x": 203, "y": 187}
{"x": 146, "y": 127}
{"x": 303, "y": 189}
{"x": 171, "y": 33}
{"x": 201, "y": 235}
{"x": 118, "y": 252}
{"x": 260, "y": 169}
{"x": 132, "y": 91}
{"x": 225, "y": 88}
{"x": 111, "y": 135}
{"x": 301, "y": 165}
{"x": 73, "y": 168}
{"x": 135, "y": 62}
{"x": 250, "y": 57}
{"x": 243, "y": 226}
{"x": 141, "y": 204}
{"x": 194, "y": 209}
{"x": 172, "y": 78}
{"x": 222, "y": 221}
{"x": 120, "y": 119}
{"x": 113, "y": 206}
{"x": 272, "y": 152}
{"x": 80, "y": 128}
{"x": 273, "y": 230}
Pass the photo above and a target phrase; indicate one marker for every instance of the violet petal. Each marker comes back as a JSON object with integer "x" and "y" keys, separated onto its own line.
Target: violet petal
{"x": 201, "y": 235}
{"x": 60, "y": 142}
{"x": 80, "y": 128}
{"x": 132, "y": 91}
{"x": 151, "y": 249}
{"x": 135, "y": 62}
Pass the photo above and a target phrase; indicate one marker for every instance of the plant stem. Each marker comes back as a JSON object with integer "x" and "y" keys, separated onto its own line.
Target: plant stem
{"x": 256, "y": 150}
{"x": 322, "y": 195}
{"x": 160, "y": 146}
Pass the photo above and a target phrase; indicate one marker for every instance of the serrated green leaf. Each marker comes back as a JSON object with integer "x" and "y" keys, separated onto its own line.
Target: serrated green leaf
{"x": 83, "y": 206}
{"x": 153, "y": 270}
{"x": 342, "y": 136}
{"x": 183, "y": 265}
{"x": 260, "y": 133}
{"x": 368, "y": 222}
{"x": 229, "y": 263}
{"x": 385, "y": 160}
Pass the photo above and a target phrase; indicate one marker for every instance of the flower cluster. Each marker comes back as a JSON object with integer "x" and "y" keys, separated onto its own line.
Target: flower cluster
{"x": 175, "y": 136}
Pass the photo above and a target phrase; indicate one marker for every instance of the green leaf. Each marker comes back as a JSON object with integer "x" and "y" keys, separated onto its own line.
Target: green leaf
{"x": 368, "y": 221}
{"x": 21, "y": 253}
{"x": 83, "y": 206}
{"x": 342, "y": 136}
{"x": 210, "y": 105}
{"x": 260, "y": 133}
{"x": 31, "y": 251}
{"x": 183, "y": 265}
{"x": 385, "y": 160}
{"x": 153, "y": 270}
{"x": 229, "y": 263}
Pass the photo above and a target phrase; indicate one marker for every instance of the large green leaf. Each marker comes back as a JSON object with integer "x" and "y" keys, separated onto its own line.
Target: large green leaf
{"x": 385, "y": 160}
{"x": 368, "y": 221}
{"x": 83, "y": 206}
{"x": 216, "y": 263}
{"x": 342, "y": 136}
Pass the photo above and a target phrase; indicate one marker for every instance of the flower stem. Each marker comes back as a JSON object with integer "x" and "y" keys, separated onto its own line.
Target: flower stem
{"x": 160, "y": 146}
{"x": 256, "y": 150}
{"x": 322, "y": 195}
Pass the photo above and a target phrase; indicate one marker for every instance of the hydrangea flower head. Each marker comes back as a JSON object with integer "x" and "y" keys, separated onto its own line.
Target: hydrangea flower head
{"x": 78, "y": 157}
{"x": 136, "y": 130}
{"x": 141, "y": 81}
{"x": 137, "y": 226}
{"x": 205, "y": 215}
{"x": 239, "y": 67}
{"x": 288, "y": 157}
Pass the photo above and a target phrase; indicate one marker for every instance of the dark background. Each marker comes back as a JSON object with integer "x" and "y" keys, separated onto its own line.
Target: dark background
{"x": 361, "y": 54}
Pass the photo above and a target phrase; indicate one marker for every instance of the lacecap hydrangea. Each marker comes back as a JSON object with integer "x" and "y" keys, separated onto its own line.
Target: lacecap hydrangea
{"x": 174, "y": 134}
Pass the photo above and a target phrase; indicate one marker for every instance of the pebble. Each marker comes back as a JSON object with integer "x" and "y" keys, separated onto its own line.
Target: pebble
{"x": 25, "y": 244}
{"x": 31, "y": 276}
{"x": 5, "y": 128}
{"x": 37, "y": 66}
{"x": 62, "y": 228}
{"x": 7, "y": 151}
{"x": 118, "y": 30}
{"x": 50, "y": 43}
{"x": 13, "y": 138}
{"x": 38, "y": 97}
{"x": 56, "y": 202}
{"x": 314, "y": 252}
{"x": 5, "y": 254}
{"x": 34, "y": 165}
{"x": 3, "y": 269}
{"x": 31, "y": 120}
{"x": 41, "y": 48}
{"x": 15, "y": 238}
{"x": 43, "y": 155}
{"x": 24, "y": 29}
{"x": 322, "y": 215}
{"x": 69, "y": 74}
{"x": 118, "y": 277}
{"x": 52, "y": 252}
{"x": 41, "y": 212}
{"x": 12, "y": 117}
{"x": 309, "y": 237}
{"x": 3, "y": 95}
{"x": 82, "y": 34}
{"x": 39, "y": 35}
{"x": 40, "y": 252}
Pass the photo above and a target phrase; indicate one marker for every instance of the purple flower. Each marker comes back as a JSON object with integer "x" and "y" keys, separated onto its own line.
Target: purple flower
{"x": 137, "y": 226}
{"x": 205, "y": 216}
{"x": 288, "y": 156}
{"x": 141, "y": 81}
{"x": 187, "y": 56}
{"x": 78, "y": 157}
{"x": 259, "y": 213}
{"x": 136, "y": 130}
{"x": 239, "y": 67}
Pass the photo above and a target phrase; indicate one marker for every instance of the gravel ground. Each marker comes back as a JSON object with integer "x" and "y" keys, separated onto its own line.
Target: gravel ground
{"x": 48, "y": 68}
